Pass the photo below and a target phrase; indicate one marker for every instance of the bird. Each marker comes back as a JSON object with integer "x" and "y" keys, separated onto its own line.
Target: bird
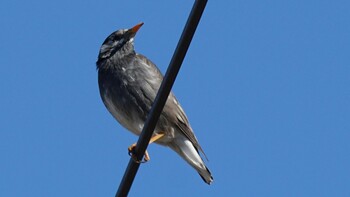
{"x": 128, "y": 84}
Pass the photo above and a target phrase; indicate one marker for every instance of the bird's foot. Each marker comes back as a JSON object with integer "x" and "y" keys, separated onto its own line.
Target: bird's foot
{"x": 146, "y": 158}
{"x": 132, "y": 153}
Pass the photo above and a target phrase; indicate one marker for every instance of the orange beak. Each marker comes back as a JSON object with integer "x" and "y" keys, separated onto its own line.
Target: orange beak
{"x": 136, "y": 28}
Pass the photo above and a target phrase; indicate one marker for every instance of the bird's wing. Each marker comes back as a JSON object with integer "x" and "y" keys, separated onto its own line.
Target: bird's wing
{"x": 181, "y": 120}
{"x": 172, "y": 111}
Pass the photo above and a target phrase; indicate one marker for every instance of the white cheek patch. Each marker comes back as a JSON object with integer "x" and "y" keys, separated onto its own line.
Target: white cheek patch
{"x": 115, "y": 44}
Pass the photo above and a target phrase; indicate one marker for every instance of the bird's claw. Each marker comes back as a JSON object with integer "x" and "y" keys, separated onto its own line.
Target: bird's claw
{"x": 132, "y": 153}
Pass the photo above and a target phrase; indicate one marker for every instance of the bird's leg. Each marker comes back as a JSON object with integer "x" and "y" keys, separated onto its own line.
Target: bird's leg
{"x": 131, "y": 149}
{"x": 156, "y": 137}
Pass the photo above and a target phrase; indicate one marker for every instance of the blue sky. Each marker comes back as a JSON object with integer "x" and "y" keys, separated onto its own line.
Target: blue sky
{"x": 265, "y": 85}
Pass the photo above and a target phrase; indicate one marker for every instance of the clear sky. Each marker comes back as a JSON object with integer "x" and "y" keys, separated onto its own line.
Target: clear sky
{"x": 265, "y": 84}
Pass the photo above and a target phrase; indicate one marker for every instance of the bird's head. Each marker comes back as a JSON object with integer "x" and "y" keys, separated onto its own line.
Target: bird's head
{"x": 119, "y": 43}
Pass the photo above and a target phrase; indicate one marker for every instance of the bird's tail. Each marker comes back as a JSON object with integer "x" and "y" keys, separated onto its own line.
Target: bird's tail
{"x": 188, "y": 152}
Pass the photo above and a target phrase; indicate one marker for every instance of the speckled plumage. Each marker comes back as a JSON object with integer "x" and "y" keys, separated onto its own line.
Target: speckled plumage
{"x": 128, "y": 85}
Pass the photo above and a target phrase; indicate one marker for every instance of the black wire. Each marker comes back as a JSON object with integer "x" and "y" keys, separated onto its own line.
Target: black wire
{"x": 162, "y": 95}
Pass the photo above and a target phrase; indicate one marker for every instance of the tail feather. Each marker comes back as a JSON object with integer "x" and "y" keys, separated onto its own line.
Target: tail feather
{"x": 206, "y": 178}
{"x": 190, "y": 154}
